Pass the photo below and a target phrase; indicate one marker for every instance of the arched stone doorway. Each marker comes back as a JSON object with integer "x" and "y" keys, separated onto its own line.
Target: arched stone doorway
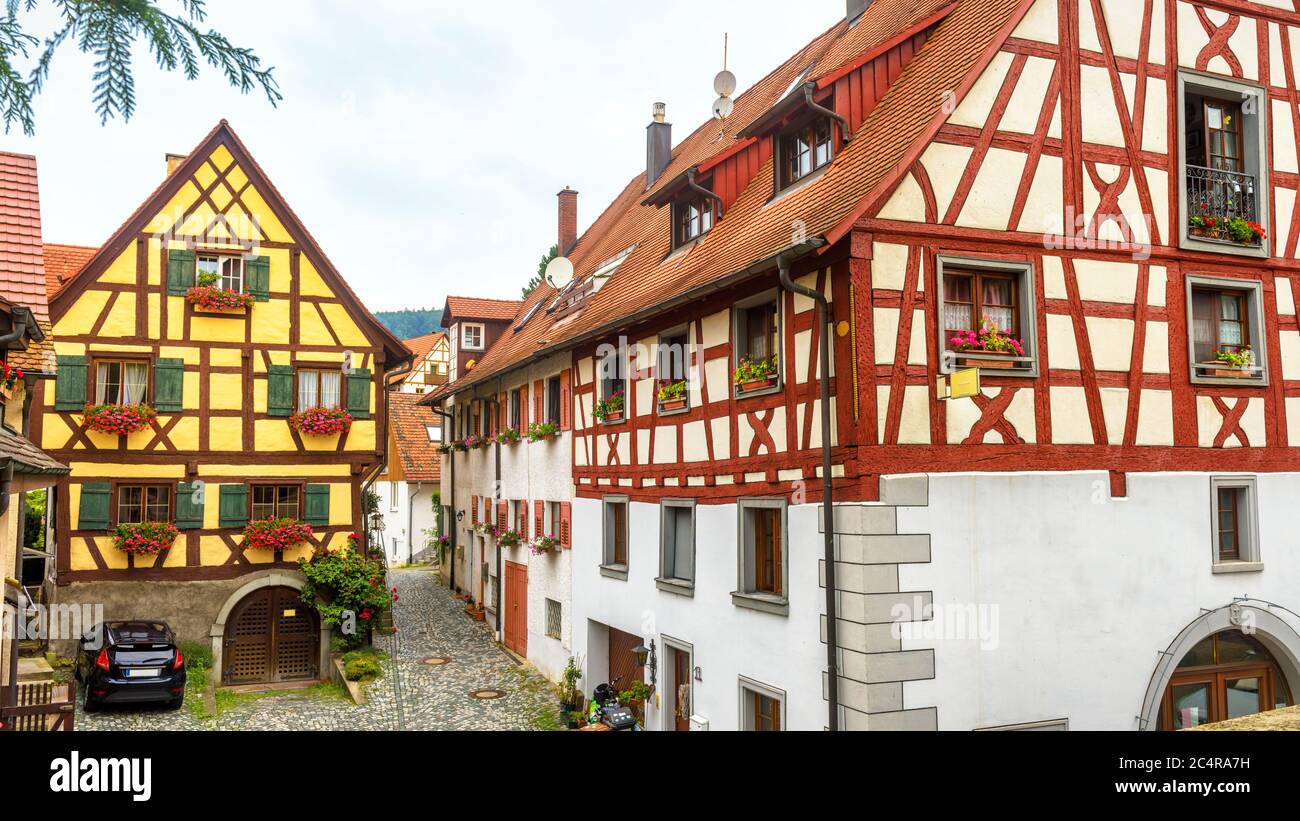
{"x": 1236, "y": 660}
{"x": 275, "y": 637}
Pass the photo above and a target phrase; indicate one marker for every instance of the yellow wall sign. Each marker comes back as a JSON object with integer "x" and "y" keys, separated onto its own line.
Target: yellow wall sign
{"x": 960, "y": 385}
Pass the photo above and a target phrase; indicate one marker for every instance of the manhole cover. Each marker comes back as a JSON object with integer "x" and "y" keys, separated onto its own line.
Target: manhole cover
{"x": 437, "y": 661}
{"x": 487, "y": 695}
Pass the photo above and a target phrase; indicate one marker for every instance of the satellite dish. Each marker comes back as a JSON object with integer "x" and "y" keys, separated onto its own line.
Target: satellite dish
{"x": 725, "y": 83}
{"x": 722, "y": 108}
{"x": 559, "y": 272}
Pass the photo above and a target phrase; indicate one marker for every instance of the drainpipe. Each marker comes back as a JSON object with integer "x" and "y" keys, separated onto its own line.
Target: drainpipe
{"x": 845, "y": 134}
{"x": 21, "y": 317}
{"x": 828, "y": 510}
{"x": 450, "y": 420}
{"x": 699, "y": 189}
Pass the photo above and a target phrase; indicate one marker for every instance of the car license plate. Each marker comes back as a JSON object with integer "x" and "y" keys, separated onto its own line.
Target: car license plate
{"x": 143, "y": 672}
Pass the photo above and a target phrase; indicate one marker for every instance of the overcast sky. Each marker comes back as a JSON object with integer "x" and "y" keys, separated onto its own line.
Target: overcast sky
{"x": 422, "y": 143}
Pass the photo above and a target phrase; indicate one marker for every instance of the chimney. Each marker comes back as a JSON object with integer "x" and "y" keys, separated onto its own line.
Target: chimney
{"x": 568, "y": 219}
{"x": 658, "y": 145}
{"x": 854, "y": 9}
{"x": 174, "y": 161}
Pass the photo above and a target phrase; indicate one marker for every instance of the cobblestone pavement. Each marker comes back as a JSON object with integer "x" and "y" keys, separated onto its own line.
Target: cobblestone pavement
{"x": 430, "y": 623}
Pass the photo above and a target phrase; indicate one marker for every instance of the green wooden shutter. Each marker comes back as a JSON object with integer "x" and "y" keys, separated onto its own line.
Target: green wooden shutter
{"x": 317, "y": 508}
{"x": 258, "y": 275}
{"x": 70, "y": 383}
{"x": 234, "y": 506}
{"x": 93, "y": 513}
{"x": 359, "y": 393}
{"x": 279, "y": 390}
{"x": 168, "y": 385}
{"x": 180, "y": 272}
{"x": 189, "y": 506}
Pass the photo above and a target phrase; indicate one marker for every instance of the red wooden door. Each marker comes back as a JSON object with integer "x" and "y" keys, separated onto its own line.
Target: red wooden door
{"x": 516, "y": 608}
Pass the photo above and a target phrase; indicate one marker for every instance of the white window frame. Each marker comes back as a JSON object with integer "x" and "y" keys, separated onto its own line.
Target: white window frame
{"x": 465, "y": 328}
{"x": 1251, "y": 559}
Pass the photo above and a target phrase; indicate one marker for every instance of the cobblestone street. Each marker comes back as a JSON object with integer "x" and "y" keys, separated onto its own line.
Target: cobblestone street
{"x": 430, "y": 624}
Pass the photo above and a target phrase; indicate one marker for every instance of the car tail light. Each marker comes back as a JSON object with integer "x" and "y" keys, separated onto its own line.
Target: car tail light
{"x": 180, "y": 660}
{"x": 102, "y": 661}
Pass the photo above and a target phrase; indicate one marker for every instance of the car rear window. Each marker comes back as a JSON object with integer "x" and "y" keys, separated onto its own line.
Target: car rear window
{"x": 139, "y": 633}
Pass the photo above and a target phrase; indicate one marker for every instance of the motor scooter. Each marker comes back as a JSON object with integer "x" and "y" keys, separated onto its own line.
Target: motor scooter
{"x": 607, "y": 709}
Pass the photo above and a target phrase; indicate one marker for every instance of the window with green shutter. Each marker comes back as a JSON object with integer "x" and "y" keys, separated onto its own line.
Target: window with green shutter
{"x": 180, "y": 272}
{"x": 317, "y": 513}
{"x": 70, "y": 383}
{"x": 359, "y": 393}
{"x": 93, "y": 511}
{"x": 189, "y": 505}
{"x": 258, "y": 270}
{"x": 169, "y": 382}
{"x": 279, "y": 390}
{"x": 233, "y": 511}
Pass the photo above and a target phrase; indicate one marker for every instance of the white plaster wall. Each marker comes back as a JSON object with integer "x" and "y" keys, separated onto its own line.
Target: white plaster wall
{"x": 1088, "y": 589}
{"x": 396, "y": 539}
{"x": 784, "y": 652}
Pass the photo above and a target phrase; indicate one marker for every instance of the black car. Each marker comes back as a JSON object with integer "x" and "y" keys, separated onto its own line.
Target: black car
{"x": 131, "y": 662}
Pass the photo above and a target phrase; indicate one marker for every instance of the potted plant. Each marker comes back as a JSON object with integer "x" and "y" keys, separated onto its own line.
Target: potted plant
{"x": 343, "y": 585}
{"x": 672, "y": 395}
{"x": 508, "y": 538}
{"x": 988, "y": 340}
{"x": 276, "y": 534}
{"x": 207, "y": 295}
{"x": 9, "y": 379}
{"x": 145, "y": 538}
{"x": 483, "y": 529}
{"x": 541, "y": 431}
{"x": 635, "y": 696}
{"x": 1232, "y": 364}
{"x": 611, "y": 409}
{"x": 321, "y": 421}
{"x": 444, "y": 448}
{"x": 570, "y": 698}
{"x": 543, "y": 544}
{"x": 1202, "y": 225}
{"x": 509, "y": 436}
{"x": 1245, "y": 232}
{"x": 120, "y": 420}
{"x": 755, "y": 374}
{"x": 473, "y": 442}
{"x": 475, "y": 612}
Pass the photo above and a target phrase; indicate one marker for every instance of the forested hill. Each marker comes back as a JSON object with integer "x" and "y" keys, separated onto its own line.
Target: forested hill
{"x": 412, "y": 322}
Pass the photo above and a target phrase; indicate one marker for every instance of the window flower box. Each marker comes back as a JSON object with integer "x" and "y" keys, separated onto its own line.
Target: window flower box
{"x": 611, "y": 409}
{"x": 995, "y": 364}
{"x": 1231, "y": 364}
{"x": 755, "y": 374}
{"x": 118, "y": 420}
{"x": 510, "y": 436}
{"x": 473, "y": 442}
{"x": 9, "y": 380}
{"x": 541, "y": 431}
{"x": 209, "y": 297}
{"x": 321, "y": 421}
{"x": 543, "y": 545}
{"x": 145, "y": 539}
{"x": 276, "y": 534}
{"x": 988, "y": 341}
{"x": 672, "y": 396}
{"x": 508, "y": 538}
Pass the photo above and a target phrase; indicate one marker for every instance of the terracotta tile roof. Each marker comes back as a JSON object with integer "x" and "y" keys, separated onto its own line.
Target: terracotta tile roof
{"x": 754, "y": 229}
{"x": 22, "y": 265}
{"x": 410, "y": 423}
{"x": 26, "y": 457}
{"x": 39, "y": 356}
{"x": 468, "y": 307}
{"x": 420, "y": 346}
{"x": 62, "y": 262}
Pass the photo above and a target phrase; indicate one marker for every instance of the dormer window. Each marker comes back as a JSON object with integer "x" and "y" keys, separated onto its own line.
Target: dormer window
{"x": 692, "y": 219}
{"x": 804, "y": 149}
{"x": 471, "y": 336}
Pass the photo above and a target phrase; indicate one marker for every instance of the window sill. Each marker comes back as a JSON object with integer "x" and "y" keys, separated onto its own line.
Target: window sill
{"x": 1243, "y": 382}
{"x": 675, "y": 411}
{"x": 763, "y": 602}
{"x": 1190, "y": 243}
{"x": 1219, "y": 568}
{"x": 678, "y": 587}
{"x": 739, "y": 394}
{"x": 614, "y": 571}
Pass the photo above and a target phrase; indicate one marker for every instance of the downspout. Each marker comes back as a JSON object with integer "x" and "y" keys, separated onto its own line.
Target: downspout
{"x": 828, "y": 511}
{"x": 845, "y": 134}
{"x": 20, "y": 327}
{"x": 450, "y": 420}
{"x": 699, "y": 189}
{"x": 383, "y": 463}
{"x": 410, "y": 523}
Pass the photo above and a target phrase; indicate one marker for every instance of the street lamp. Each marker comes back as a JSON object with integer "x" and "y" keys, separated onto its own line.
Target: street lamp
{"x": 643, "y": 654}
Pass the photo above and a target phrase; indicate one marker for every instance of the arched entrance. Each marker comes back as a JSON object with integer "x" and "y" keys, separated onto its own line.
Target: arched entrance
{"x": 1226, "y": 675}
{"x": 270, "y": 637}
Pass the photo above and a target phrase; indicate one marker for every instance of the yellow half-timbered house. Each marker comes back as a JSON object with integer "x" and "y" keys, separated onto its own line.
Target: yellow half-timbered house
{"x": 225, "y": 383}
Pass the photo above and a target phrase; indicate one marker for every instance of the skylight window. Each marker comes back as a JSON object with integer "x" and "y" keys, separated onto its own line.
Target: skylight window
{"x": 798, "y": 81}
{"x": 531, "y": 313}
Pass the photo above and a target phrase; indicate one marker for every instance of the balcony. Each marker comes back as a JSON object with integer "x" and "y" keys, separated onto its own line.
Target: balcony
{"x": 1223, "y": 207}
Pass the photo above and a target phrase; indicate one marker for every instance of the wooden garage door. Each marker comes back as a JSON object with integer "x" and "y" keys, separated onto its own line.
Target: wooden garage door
{"x": 623, "y": 668}
{"x": 516, "y": 608}
{"x": 271, "y": 637}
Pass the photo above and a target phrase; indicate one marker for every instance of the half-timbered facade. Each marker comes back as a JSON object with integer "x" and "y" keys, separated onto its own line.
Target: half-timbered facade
{"x": 225, "y": 384}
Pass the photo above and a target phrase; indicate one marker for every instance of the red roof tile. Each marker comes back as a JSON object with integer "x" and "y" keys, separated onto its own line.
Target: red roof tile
{"x": 468, "y": 307}
{"x": 62, "y": 262}
{"x": 22, "y": 264}
{"x": 757, "y": 227}
{"x": 410, "y": 424}
{"x": 420, "y": 346}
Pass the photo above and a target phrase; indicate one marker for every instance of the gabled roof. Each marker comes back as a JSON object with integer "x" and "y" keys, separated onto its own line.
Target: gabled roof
{"x": 223, "y": 134}
{"x": 62, "y": 262}
{"x": 22, "y": 259}
{"x": 410, "y": 423}
{"x": 420, "y": 346}
{"x": 469, "y": 307}
{"x": 757, "y": 227}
